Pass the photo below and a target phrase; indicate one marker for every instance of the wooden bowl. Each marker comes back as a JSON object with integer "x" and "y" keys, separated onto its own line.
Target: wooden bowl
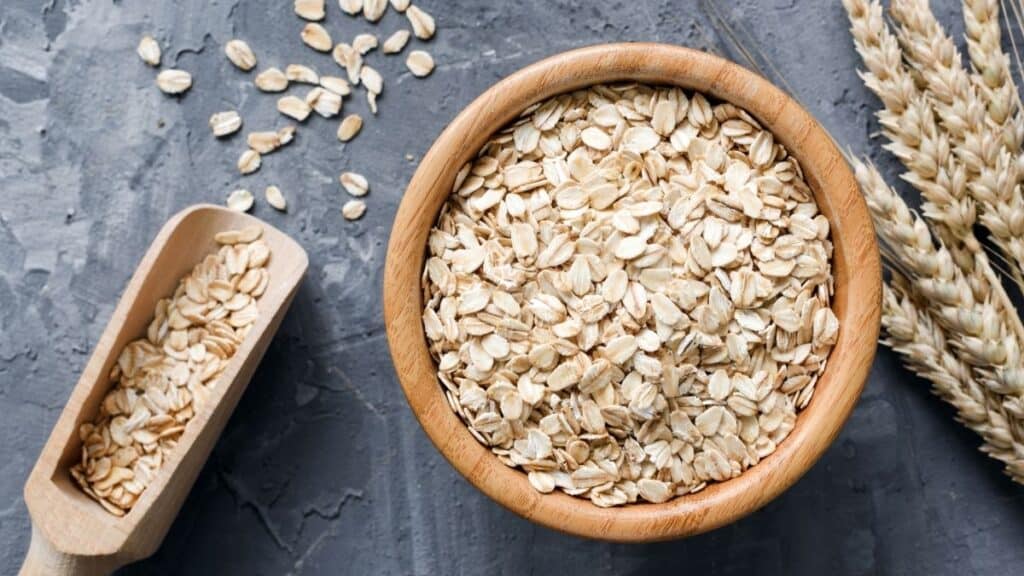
{"x": 856, "y": 269}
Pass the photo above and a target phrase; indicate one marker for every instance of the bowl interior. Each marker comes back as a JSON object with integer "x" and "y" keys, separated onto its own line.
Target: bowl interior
{"x": 856, "y": 272}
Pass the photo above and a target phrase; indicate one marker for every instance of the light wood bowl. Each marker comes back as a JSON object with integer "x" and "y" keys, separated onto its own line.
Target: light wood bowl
{"x": 856, "y": 270}
{"x": 71, "y": 534}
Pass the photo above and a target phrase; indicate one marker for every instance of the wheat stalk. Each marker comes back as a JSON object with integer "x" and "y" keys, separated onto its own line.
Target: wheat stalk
{"x": 980, "y": 333}
{"x": 946, "y": 310}
{"x": 910, "y": 126}
{"x": 919, "y": 143}
{"x": 925, "y": 351}
{"x": 978, "y": 142}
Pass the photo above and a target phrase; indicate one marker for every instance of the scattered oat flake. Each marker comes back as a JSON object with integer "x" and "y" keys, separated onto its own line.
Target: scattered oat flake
{"x": 249, "y": 162}
{"x": 300, "y": 73}
{"x": 324, "y": 102}
{"x": 339, "y": 86}
{"x": 400, "y": 5}
{"x": 286, "y": 134}
{"x": 350, "y": 59}
{"x": 225, "y": 123}
{"x": 353, "y": 209}
{"x": 420, "y": 63}
{"x": 149, "y": 51}
{"x": 272, "y": 80}
{"x": 374, "y": 9}
{"x": 350, "y": 127}
{"x": 372, "y": 80}
{"x": 294, "y": 107}
{"x": 174, "y": 81}
{"x": 396, "y": 42}
{"x": 275, "y": 198}
{"x": 240, "y": 200}
{"x": 263, "y": 142}
{"x": 239, "y": 53}
{"x": 310, "y": 9}
{"x": 351, "y": 7}
{"x": 354, "y": 184}
{"x": 422, "y": 23}
{"x": 363, "y": 43}
{"x": 316, "y": 37}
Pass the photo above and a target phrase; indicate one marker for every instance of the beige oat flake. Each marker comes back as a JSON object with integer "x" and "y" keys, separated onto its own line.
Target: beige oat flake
{"x": 422, "y": 23}
{"x": 294, "y": 107}
{"x": 396, "y": 42}
{"x": 353, "y": 209}
{"x": 225, "y": 123}
{"x": 316, "y": 37}
{"x": 272, "y": 80}
{"x": 149, "y": 51}
{"x": 350, "y": 127}
{"x": 420, "y": 63}
{"x": 354, "y": 184}
{"x": 310, "y": 9}
{"x": 240, "y": 200}
{"x": 275, "y": 198}
{"x": 240, "y": 54}
{"x": 174, "y": 82}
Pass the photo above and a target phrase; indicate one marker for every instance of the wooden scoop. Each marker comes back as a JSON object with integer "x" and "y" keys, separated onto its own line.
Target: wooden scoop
{"x": 71, "y": 533}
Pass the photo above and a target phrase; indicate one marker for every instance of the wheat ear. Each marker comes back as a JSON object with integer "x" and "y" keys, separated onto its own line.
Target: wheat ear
{"x": 981, "y": 333}
{"x": 915, "y": 138}
{"x": 911, "y": 332}
{"x": 992, "y": 75}
{"x": 909, "y": 124}
{"x": 992, "y": 179}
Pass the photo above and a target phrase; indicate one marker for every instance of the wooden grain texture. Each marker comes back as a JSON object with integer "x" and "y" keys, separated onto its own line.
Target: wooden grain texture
{"x": 72, "y": 534}
{"x": 856, "y": 268}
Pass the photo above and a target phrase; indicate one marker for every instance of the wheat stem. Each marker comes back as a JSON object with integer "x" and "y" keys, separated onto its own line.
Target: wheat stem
{"x": 925, "y": 351}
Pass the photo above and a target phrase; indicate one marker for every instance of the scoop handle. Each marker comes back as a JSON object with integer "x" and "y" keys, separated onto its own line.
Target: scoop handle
{"x": 43, "y": 559}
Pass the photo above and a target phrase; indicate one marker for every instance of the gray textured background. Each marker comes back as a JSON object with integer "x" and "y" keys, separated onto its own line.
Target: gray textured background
{"x": 323, "y": 469}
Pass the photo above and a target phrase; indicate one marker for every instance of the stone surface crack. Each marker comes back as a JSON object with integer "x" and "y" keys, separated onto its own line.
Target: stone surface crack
{"x": 242, "y": 500}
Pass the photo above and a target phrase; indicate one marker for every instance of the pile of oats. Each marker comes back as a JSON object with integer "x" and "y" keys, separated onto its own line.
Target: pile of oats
{"x": 160, "y": 381}
{"x": 627, "y": 293}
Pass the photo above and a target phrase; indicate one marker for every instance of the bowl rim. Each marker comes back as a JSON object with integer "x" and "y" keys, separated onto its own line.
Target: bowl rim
{"x": 856, "y": 273}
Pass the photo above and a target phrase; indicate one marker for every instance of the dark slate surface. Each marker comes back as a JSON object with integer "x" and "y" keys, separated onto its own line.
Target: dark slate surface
{"x": 322, "y": 469}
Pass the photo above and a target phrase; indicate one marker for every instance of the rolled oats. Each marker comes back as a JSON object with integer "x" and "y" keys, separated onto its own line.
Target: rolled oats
{"x": 351, "y": 7}
{"x": 174, "y": 81}
{"x": 149, "y": 51}
{"x": 396, "y": 42}
{"x": 310, "y": 9}
{"x": 350, "y": 127}
{"x": 627, "y": 294}
{"x": 239, "y": 53}
{"x": 353, "y": 209}
{"x": 316, "y": 37}
{"x": 159, "y": 382}
{"x": 421, "y": 64}
{"x": 272, "y": 80}
{"x": 422, "y": 23}
{"x": 275, "y": 198}
{"x": 302, "y": 74}
{"x": 225, "y": 123}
